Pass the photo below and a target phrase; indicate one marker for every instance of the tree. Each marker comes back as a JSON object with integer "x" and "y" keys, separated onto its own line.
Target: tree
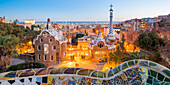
{"x": 27, "y": 65}
{"x": 11, "y": 30}
{"x": 79, "y": 35}
{"x": 150, "y": 41}
{"x": 156, "y": 57}
{"x": 116, "y": 56}
{"x": 15, "y": 21}
{"x": 10, "y": 36}
{"x": 7, "y": 50}
{"x": 27, "y": 29}
{"x": 135, "y": 55}
{"x": 122, "y": 44}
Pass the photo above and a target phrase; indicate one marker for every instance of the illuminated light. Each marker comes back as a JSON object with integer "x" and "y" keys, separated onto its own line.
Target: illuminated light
{"x": 87, "y": 54}
{"x": 45, "y": 49}
{"x": 30, "y": 42}
{"x": 107, "y": 68}
{"x": 70, "y": 63}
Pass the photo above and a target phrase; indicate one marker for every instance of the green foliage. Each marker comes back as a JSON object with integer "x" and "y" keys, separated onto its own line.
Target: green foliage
{"x": 122, "y": 44}
{"x": 19, "y": 31}
{"x": 8, "y": 42}
{"x": 27, "y": 29}
{"x": 75, "y": 39}
{"x": 117, "y": 55}
{"x": 11, "y": 35}
{"x": 27, "y": 65}
{"x": 15, "y": 21}
{"x": 11, "y": 30}
{"x": 7, "y": 50}
{"x": 32, "y": 27}
{"x": 156, "y": 57}
{"x": 79, "y": 35}
{"x": 150, "y": 41}
{"x": 135, "y": 55}
{"x": 30, "y": 35}
{"x": 120, "y": 51}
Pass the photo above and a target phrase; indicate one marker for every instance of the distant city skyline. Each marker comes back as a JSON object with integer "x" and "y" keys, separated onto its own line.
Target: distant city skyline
{"x": 82, "y": 10}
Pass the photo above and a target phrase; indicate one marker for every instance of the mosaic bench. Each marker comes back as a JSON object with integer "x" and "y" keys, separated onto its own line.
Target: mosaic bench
{"x": 133, "y": 72}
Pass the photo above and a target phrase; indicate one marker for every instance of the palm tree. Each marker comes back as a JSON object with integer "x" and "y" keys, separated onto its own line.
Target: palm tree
{"x": 7, "y": 50}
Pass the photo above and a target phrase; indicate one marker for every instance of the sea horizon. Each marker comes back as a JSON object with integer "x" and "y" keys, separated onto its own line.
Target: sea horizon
{"x": 74, "y": 21}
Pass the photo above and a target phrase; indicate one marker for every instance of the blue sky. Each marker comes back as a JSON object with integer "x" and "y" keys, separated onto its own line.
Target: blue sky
{"x": 82, "y": 10}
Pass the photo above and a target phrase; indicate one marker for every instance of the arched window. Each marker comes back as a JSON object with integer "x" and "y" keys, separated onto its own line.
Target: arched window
{"x": 39, "y": 47}
{"x": 51, "y": 58}
{"x": 51, "y": 40}
{"x": 100, "y": 44}
{"x": 39, "y": 57}
{"x": 46, "y": 50}
{"x": 54, "y": 47}
{"x": 41, "y": 40}
{"x": 45, "y": 57}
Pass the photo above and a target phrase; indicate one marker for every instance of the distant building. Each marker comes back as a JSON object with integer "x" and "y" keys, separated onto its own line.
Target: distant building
{"x": 25, "y": 24}
{"x": 2, "y": 19}
{"x": 163, "y": 17}
{"x": 30, "y": 21}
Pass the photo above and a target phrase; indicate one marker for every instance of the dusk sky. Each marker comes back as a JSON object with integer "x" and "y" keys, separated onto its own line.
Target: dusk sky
{"x": 82, "y": 10}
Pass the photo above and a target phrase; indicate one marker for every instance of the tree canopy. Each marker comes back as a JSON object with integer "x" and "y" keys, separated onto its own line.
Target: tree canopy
{"x": 7, "y": 50}
{"x": 11, "y": 36}
{"x": 28, "y": 65}
{"x": 150, "y": 41}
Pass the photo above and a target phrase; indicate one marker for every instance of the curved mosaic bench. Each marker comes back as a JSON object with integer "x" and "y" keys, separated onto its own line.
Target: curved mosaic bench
{"x": 134, "y": 72}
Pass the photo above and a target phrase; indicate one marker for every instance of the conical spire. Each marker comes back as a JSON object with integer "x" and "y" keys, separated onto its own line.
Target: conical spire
{"x": 99, "y": 36}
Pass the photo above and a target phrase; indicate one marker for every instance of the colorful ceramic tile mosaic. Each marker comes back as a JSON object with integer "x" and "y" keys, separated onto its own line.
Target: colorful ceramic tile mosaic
{"x": 134, "y": 72}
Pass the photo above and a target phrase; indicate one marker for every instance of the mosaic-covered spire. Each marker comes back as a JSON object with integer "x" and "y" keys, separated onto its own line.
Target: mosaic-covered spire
{"x": 111, "y": 34}
{"x": 111, "y": 17}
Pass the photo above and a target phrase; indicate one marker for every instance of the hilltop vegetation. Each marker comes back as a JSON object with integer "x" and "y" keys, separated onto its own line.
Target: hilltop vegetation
{"x": 12, "y": 35}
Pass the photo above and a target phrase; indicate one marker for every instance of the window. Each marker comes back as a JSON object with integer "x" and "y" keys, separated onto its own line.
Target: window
{"x": 52, "y": 58}
{"x": 39, "y": 47}
{"x": 46, "y": 48}
{"x": 39, "y": 57}
{"x": 45, "y": 34}
{"x": 54, "y": 47}
{"x": 100, "y": 45}
{"x": 41, "y": 40}
{"x": 51, "y": 40}
{"x": 45, "y": 57}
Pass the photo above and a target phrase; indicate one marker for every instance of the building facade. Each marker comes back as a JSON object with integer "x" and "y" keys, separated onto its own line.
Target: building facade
{"x": 50, "y": 46}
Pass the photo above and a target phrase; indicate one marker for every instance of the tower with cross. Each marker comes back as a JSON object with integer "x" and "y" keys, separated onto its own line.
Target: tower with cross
{"x": 111, "y": 35}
